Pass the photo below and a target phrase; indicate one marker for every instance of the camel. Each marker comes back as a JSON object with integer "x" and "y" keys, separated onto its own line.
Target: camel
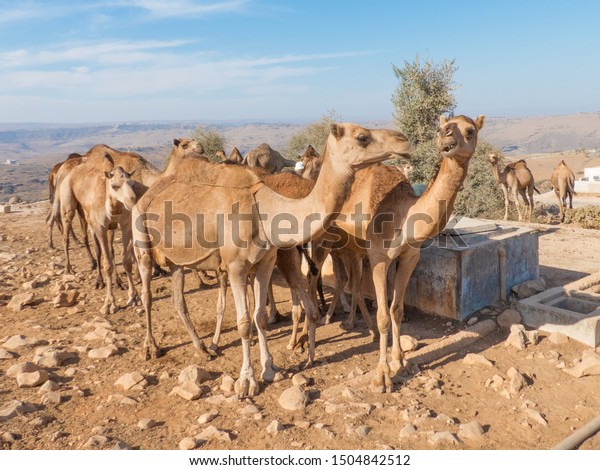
{"x": 519, "y": 179}
{"x": 106, "y": 195}
{"x": 563, "y": 182}
{"x": 397, "y": 222}
{"x": 265, "y": 157}
{"x": 235, "y": 156}
{"x": 210, "y": 193}
{"x": 311, "y": 161}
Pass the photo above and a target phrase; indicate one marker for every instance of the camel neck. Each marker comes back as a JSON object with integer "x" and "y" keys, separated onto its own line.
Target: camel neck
{"x": 288, "y": 222}
{"x": 431, "y": 212}
{"x": 496, "y": 172}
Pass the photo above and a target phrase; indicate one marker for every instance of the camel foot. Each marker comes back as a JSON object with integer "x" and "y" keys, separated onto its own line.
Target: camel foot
{"x": 272, "y": 373}
{"x": 134, "y": 301}
{"x": 246, "y": 386}
{"x": 275, "y": 318}
{"x": 213, "y": 348}
{"x": 100, "y": 284}
{"x": 120, "y": 284}
{"x": 94, "y": 265}
{"x": 382, "y": 382}
{"x": 326, "y": 320}
{"x": 158, "y": 272}
{"x": 69, "y": 269}
{"x": 150, "y": 350}
{"x": 109, "y": 307}
{"x": 347, "y": 325}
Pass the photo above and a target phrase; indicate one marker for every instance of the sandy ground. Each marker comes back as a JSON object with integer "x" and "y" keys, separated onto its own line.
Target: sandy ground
{"x": 343, "y": 412}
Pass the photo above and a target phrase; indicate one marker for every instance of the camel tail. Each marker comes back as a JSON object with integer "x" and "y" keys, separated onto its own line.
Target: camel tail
{"x": 289, "y": 163}
{"x": 536, "y": 190}
{"x": 311, "y": 264}
{"x": 55, "y": 214}
{"x": 571, "y": 188}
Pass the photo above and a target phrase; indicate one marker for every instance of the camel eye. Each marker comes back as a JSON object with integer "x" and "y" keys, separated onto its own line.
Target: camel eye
{"x": 115, "y": 186}
{"x": 363, "y": 139}
{"x": 470, "y": 132}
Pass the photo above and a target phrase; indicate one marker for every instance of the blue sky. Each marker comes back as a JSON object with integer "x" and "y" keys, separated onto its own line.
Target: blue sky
{"x": 123, "y": 60}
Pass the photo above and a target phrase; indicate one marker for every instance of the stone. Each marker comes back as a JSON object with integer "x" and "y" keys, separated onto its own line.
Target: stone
{"x": 48, "y": 386}
{"x": 300, "y": 380}
{"x": 589, "y": 365}
{"x": 529, "y": 288}
{"x": 536, "y": 417}
{"x": 495, "y": 382}
{"x": 363, "y": 431}
{"x": 188, "y": 443}
{"x": 187, "y": 391}
{"x": 4, "y": 354}
{"x": 227, "y": 384}
{"x": 208, "y": 417}
{"x": 558, "y": 338}
{"x": 443, "y": 437}
{"x": 32, "y": 379}
{"x": 103, "y": 352}
{"x": 471, "y": 321}
{"x": 508, "y": 318}
{"x": 408, "y": 430}
{"x": 51, "y": 398}
{"x": 302, "y": 424}
{"x": 20, "y": 341}
{"x": 517, "y": 380}
{"x": 250, "y": 410}
{"x": 212, "y": 433}
{"x": 274, "y": 427}
{"x": 52, "y": 357}
{"x": 22, "y": 367}
{"x": 131, "y": 381}
{"x": 517, "y": 338}
{"x": 408, "y": 343}
{"x": 20, "y": 301}
{"x": 42, "y": 421}
{"x": 146, "y": 423}
{"x": 215, "y": 400}
{"x": 193, "y": 374}
{"x": 470, "y": 431}
{"x": 15, "y": 408}
{"x": 75, "y": 310}
{"x": 96, "y": 441}
{"x": 472, "y": 359}
{"x": 293, "y": 398}
{"x": 356, "y": 372}
{"x": 66, "y": 299}
{"x": 350, "y": 394}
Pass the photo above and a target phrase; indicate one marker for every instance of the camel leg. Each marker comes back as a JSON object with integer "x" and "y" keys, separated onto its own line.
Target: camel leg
{"x": 67, "y": 218}
{"x": 111, "y": 238}
{"x": 144, "y": 261}
{"x": 99, "y": 278}
{"x": 246, "y": 385}
{"x": 128, "y": 261}
{"x": 274, "y": 314}
{"x": 506, "y": 201}
{"x": 341, "y": 278}
{"x": 354, "y": 261}
{"x": 379, "y": 267}
{"x": 50, "y": 223}
{"x": 110, "y": 305}
{"x": 262, "y": 277}
{"x": 86, "y": 240}
{"x": 221, "y": 304}
{"x": 530, "y": 194}
{"x": 408, "y": 261}
{"x": 517, "y": 204}
{"x": 560, "y": 205}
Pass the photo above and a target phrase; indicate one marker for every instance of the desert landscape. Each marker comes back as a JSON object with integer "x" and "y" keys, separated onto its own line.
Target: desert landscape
{"x": 72, "y": 378}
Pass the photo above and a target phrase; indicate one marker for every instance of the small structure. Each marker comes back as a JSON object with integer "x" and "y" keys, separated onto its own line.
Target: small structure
{"x": 10, "y": 162}
{"x": 6, "y": 209}
{"x": 590, "y": 183}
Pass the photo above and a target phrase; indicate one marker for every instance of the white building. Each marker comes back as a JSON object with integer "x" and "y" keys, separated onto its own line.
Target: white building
{"x": 11, "y": 162}
{"x": 590, "y": 183}
{"x": 591, "y": 174}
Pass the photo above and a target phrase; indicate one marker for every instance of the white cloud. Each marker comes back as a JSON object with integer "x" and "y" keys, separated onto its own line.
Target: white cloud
{"x": 185, "y": 8}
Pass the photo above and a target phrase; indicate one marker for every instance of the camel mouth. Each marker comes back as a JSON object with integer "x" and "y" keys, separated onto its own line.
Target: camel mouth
{"x": 448, "y": 148}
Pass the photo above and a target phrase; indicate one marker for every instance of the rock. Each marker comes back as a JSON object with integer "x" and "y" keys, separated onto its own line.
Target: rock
{"x": 300, "y": 380}
{"x": 517, "y": 380}
{"x": 42, "y": 421}
{"x": 15, "y": 200}
{"x": 32, "y": 379}
{"x": 51, "y": 398}
{"x": 274, "y": 427}
{"x": 104, "y": 352}
{"x": 66, "y": 299}
{"x": 208, "y": 417}
{"x": 188, "y": 443}
{"x": 302, "y": 424}
{"x": 4, "y": 354}
{"x": 120, "y": 445}
{"x": 147, "y": 423}
{"x": 49, "y": 386}
{"x": 216, "y": 400}
{"x": 589, "y": 365}
{"x": 193, "y": 374}
{"x": 250, "y": 410}
{"x": 408, "y": 430}
{"x": 75, "y": 310}
{"x": 22, "y": 367}
{"x": 363, "y": 431}
{"x": 529, "y": 288}
{"x": 470, "y": 431}
{"x": 356, "y": 372}
{"x": 533, "y": 337}
{"x": 20, "y": 341}
{"x": 52, "y": 357}
{"x": 96, "y": 441}
{"x": 212, "y": 433}
{"x": 20, "y": 301}
{"x": 471, "y": 321}
{"x": 443, "y": 437}
{"x": 293, "y": 398}
{"x": 472, "y": 359}
{"x": 131, "y": 381}
{"x": 508, "y": 318}
{"x": 15, "y": 408}
{"x": 408, "y": 343}
{"x": 100, "y": 333}
{"x": 536, "y": 417}
{"x": 350, "y": 394}
{"x": 558, "y": 338}
{"x": 517, "y": 337}
{"x": 495, "y": 382}
{"x": 187, "y": 391}
{"x": 227, "y": 384}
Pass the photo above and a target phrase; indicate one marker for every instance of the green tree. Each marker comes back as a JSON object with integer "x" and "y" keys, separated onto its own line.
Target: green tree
{"x": 423, "y": 93}
{"x": 314, "y": 134}
{"x": 211, "y": 139}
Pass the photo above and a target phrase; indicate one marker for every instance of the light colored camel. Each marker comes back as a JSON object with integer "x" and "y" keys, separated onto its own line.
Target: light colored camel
{"x": 106, "y": 195}
{"x": 265, "y": 157}
{"x": 247, "y": 244}
{"x": 391, "y": 223}
{"x": 517, "y": 178}
{"x": 235, "y": 156}
{"x": 563, "y": 183}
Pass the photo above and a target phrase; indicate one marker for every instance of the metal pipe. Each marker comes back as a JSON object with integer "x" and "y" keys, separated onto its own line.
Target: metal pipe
{"x": 502, "y": 271}
{"x": 580, "y": 435}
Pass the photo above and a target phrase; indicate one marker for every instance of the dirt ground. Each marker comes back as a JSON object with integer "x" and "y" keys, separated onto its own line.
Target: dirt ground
{"x": 342, "y": 412}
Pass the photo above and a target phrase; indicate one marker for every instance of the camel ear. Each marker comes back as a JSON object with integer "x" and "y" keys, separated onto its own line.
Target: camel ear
{"x": 108, "y": 175}
{"x": 129, "y": 175}
{"x": 443, "y": 120}
{"x": 176, "y": 142}
{"x": 480, "y": 121}
{"x": 336, "y": 130}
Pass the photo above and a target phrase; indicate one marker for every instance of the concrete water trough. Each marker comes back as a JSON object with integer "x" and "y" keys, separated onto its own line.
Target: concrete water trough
{"x": 472, "y": 265}
{"x": 572, "y": 309}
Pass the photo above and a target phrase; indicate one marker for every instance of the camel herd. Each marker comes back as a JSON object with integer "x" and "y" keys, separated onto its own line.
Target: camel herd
{"x": 240, "y": 217}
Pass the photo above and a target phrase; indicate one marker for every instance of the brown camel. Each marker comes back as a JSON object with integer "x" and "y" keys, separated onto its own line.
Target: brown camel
{"x": 396, "y": 224}
{"x": 205, "y": 193}
{"x": 265, "y": 157}
{"x": 311, "y": 161}
{"x": 235, "y": 157}
{"x": 516, "y": 177}
{"x": 106, "y": 195}
{"x": 563, "y": 183}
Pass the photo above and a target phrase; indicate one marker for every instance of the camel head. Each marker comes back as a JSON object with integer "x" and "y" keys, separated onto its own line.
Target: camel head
{"x": 220, "y": 154}
{"x": 185, "y": 148}
{"x": 352, "y": 145}
{"x": 309, "y": 154}
{"x": 457, "y": 136}
{"x": 120, "y": 187}
{"x": 493, "y": 158}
